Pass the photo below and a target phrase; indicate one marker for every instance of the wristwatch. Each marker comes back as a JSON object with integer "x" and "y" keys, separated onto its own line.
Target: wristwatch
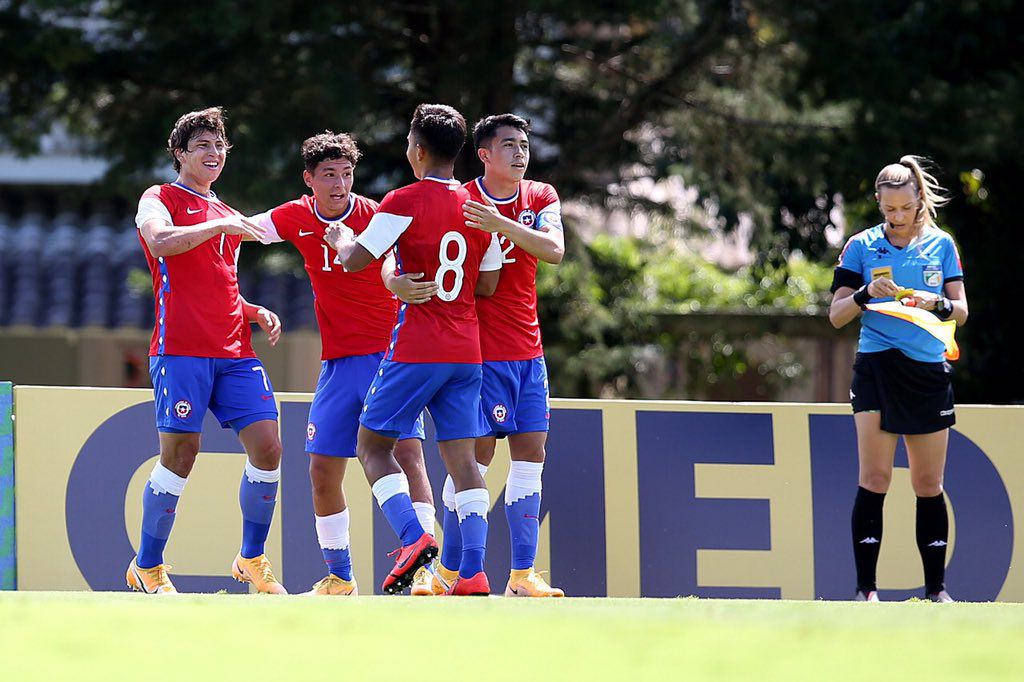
{"x": 943, "y": 308}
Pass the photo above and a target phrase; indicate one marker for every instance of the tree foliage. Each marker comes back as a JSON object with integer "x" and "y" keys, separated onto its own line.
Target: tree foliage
{"x": 780, "y": 114}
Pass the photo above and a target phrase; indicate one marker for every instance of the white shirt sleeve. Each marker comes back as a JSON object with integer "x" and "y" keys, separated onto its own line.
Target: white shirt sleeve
{"x": 492, "y": 257}
{"x": 149, "y": 208}
{"x": 382, "y": 232}
{"x": 550, "y": 216}
{"x": 267, "y": 223}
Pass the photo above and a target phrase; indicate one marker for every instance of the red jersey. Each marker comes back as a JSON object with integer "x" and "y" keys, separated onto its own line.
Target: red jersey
{"x": 355, "y": 311}
{"x": 425, "y": 223}
{"x": 509, "y": 329}
{"x": 198, "y": 306}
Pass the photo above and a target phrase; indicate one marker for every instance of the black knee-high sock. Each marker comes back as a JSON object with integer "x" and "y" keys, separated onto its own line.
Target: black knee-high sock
{"x": 867, "y": 536}
{"x": 932, "y": 534}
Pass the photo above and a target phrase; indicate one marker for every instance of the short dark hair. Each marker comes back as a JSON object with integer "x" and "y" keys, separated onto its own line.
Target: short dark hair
{"x": 329, "y": 146}
{"x": 195, "y": 123}
{"x": 486, "y": 128}
{"x": 439, "y": 128}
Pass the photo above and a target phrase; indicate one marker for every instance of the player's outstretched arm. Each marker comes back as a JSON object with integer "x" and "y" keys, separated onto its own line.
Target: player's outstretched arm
{"x": 544, "y": 243}
{"x": 265, "y": 318}
{"x": 165, "y": 240}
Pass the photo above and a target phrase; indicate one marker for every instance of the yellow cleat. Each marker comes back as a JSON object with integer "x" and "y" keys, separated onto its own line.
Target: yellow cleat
{"x": 258, "y": 572}
{"x": 149, "y": 580}
{"x": 421, "y": 583}
{"x": 334, "y": 586}
{"x": 528, "y": 583}
{"x": 442, "y": 579}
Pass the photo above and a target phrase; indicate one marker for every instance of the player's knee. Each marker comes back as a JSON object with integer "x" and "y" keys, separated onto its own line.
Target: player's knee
{"x": 531, "y": 455}
{"x": 927, "y": 485}
{"x": 323, "y": 481}
{"x": 876, "y": 481}
{"x": 464, "y": 474}
{"x": 180, "y": 457}
{"x": 267, "y": 453}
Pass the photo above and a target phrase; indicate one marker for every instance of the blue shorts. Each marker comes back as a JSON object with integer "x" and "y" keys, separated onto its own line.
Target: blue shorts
{"x": 237, "y": 391}
{"x": 514, "y": 396}
{"x": 334, "y": 414}
{"x": 400, "y": 391}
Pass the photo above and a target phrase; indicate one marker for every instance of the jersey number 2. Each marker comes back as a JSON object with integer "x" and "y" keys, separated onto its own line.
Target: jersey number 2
{"x": 453, "y": 265}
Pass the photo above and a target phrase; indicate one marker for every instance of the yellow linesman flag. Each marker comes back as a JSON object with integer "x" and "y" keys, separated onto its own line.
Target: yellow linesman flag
{"x": 943, "y": 330}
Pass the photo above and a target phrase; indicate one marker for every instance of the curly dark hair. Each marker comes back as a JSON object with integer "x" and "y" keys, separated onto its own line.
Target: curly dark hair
{"x": 439, "y": 128}
{"x": 195, "y": 123}
{"x": 329, "y": 146}
{"x": 487, "y": 127}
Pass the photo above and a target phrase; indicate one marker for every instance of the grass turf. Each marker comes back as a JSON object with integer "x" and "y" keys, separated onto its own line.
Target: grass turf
{"x": 110, "y": 636}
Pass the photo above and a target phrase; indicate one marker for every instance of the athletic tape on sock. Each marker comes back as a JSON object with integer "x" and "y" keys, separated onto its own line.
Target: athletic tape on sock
{"x": 472, "y": 501}
{"x": 388, "y": 486}
{"x": 163, "y": 480}
{"x": 255, "y": 475}
{"x": 332, "y": 530}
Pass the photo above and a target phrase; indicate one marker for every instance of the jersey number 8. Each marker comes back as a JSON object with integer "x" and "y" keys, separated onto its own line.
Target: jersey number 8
{"x": 453, "y": 265}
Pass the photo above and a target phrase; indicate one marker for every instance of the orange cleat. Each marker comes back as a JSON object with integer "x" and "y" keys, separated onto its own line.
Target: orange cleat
{"x": 410, "y": 558}
{"x": 149, "y": 580}
{"x": 334, "y": 586}
{"x": 477, "y": 586}
{"x": 442, "y": 579}
{"x": 421, "y": 583}
{"x": 529, "y": 583}
{"x": 258, "y": 572}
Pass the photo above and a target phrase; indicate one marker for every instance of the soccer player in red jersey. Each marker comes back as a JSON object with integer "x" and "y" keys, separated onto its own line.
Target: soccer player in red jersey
{"x": 200, "y": 355}
{"x": 356, "y": 315}
{"x": 527, "y": 216}
{"x": 433, "y": 359}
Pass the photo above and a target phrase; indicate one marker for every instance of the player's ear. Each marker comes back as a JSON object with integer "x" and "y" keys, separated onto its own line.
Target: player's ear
{"x": 307, "y": 178}
{"x": 483, "y": 153}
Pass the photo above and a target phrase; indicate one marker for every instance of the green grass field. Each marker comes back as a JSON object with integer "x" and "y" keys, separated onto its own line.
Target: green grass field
{"x": 107, "y": 636}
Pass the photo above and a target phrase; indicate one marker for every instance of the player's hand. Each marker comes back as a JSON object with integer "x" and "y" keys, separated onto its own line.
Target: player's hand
{"x": 408, "y": 290}
{"x": 240, "y": 225}
{"x": 482, "y": 216}
{"x": 883, "y": 287}
{"x": 925, "y": 300}
{"x": 337, "y": 235}
{"x": 270, "y": 323}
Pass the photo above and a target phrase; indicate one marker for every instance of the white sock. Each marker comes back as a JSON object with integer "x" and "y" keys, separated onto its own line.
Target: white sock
{"x": 472, "y": 501}
{"x": 448, "y": 491}
{"x": 523, "y": 480}
{"x": 425, "y": 513}
{"x": 388, "y": 486}
{"x": 448, "y": 494}
{"x": 332, "y": 530}
{"x": 163, "y": 480}
{"x": 260, "y": 475}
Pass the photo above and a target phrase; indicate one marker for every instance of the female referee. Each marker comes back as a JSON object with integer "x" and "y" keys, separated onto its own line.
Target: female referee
{"x": 901, "y": 383}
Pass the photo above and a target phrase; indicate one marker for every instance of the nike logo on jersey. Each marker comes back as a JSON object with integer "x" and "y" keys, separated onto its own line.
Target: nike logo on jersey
{"x": 191, "y": 212}
{"x": 305, "y": 234}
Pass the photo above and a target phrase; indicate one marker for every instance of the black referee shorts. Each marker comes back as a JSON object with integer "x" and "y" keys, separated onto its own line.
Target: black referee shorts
{"x": 913, "y": 397}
